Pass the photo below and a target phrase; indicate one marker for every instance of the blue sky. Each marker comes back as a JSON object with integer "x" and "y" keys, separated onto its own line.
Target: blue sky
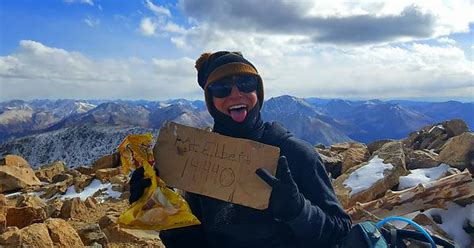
{"x": 111, "y": 49}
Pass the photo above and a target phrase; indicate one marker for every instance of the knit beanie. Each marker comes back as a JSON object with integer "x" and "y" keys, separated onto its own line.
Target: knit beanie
{"x": 214, "y": 66}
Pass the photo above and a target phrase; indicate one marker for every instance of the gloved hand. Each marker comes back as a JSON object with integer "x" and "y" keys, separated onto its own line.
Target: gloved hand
{"x": 285, "y": 200}
{"x": 138, "y": 184}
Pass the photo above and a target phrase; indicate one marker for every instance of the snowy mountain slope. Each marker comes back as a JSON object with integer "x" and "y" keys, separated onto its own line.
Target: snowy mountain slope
{"x": 78, "y": 145}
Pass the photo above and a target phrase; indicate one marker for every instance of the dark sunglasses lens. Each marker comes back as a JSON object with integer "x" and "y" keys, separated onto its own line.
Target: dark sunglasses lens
{"x": 220, "y": 90}
{"x": 247, "y": 84}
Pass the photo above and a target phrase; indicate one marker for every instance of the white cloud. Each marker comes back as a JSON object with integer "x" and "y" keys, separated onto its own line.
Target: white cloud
{"x": 147, "y": 26}
{"x": 91, "y": 22}
{"x": 446, "y": 40}
{"x": 90, "y": 2}
{"x": 338, "y": 21}
{"x": 39, "y": 71}
{"x": 157, "y": 9}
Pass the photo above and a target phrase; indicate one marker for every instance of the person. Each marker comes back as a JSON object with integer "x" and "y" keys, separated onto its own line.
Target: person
{"x": 303, "y": 209}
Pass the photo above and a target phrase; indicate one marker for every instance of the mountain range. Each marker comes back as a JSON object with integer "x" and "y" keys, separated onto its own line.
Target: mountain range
{"x": 75, "y": 124}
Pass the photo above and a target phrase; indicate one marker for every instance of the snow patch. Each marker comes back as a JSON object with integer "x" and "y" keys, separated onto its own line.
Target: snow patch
{"x": 453, "y": 219}
{"x": 90, "y": 190}
{"x": 364, "y": 177}
{"x": 422, "y": 176}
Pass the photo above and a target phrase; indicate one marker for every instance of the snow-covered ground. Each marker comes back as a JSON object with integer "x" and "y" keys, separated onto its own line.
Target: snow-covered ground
{"x": 90, "y": 190}
{"x": 364, "y": 177}
{"x": 422, "y": 176}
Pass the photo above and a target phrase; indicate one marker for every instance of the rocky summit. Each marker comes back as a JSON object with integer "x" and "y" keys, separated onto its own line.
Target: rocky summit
{"x": 54, "y": 205}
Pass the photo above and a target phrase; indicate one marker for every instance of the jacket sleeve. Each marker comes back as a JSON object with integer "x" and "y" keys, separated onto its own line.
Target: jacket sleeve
{"x": 322, "y": 219}
{"x": 186, "y": 236}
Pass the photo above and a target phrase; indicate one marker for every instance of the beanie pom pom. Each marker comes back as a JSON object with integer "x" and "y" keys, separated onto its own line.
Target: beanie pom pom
{"x": 201, "y": 60}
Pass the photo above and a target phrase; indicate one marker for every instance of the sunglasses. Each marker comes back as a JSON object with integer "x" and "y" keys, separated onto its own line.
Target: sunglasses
{"x": 223, "y": 87}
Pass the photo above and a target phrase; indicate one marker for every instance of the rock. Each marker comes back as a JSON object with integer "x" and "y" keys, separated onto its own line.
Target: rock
{"x": 47, "y": 172}
{"x": 391, "y": 153}
{"x": 108, "y": 161}
{"x": 16, "y": 174}
{"x": 85, "y": 170}
{"x": 11, "y": 237}
{"x": 62, "y": 234}
{"x": 354, "y": 155}
{"x": 90, "y": 202}
{"x": 120, "y": 179}
{"x": 53, "y": 208}
{"x": 51, "y": 190}
{"x": 455, "y": 127}
{"x": 107, "y": 220}
{"x": 3, "y": 200}
{"x": 332, "y": 165}
{"x": 61, "y": 178}
{"x": 93, "y": 234}
{"x": 72, "y": 208}
{"x": 36, "y": 235}
{"x": 117, "y": 234}
{"x": 30, "y": 201}
{"x": 24, "y": 216}
{"x": 106, "y": 174}
{"x": 81, "y": 182}
{"x": 433, "y": 137}
{"x": 340, "y": 147}
{"x": 374, "y": 146}
{"x": 3, "y": 223}
{"x": 430, "y": 226}
{"x": 418, "y": 159}
{"x": 459, "y": 152}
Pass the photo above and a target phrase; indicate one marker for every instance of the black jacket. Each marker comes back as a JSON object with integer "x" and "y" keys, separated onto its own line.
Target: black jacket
{"x": 321, "y": 223}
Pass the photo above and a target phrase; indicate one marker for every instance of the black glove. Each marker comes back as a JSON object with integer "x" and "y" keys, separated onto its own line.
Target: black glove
{"x": 138, "y": 184}
{"x": 285, "y": 200}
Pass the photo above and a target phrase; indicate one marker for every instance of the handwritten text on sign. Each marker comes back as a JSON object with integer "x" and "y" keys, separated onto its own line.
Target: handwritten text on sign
{"x": 215, "y": 165}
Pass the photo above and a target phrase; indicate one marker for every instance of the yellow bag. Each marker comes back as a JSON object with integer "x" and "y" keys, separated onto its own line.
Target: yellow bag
{"x": 159, "y": 208}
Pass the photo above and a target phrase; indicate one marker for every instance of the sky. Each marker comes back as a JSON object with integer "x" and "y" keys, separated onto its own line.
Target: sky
{"x": 146, "y": 49}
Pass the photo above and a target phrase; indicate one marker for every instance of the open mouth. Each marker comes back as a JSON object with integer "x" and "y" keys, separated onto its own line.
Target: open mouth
{"x": 238, "y": 112}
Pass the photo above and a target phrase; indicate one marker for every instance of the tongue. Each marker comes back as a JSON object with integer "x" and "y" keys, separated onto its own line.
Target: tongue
{"x": 238, "y": 115}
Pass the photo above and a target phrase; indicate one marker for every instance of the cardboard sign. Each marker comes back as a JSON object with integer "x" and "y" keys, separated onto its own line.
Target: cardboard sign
{"x": 214, "y": 165}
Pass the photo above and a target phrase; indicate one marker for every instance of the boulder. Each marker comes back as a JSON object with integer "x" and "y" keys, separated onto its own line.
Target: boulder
{"x": 3, "y": 223}
{"x": 455, "y": 127}
{"x": 90, "y": 202}
{"x": 62, "y": 234}
{"x": 16, "y": 174}
{"x": 72, "y": 208}
{"x": 51, "y": 190}
{"x": 61, "y": 178}
{"x": 106, "y": 174}
{"x": 433, "y": 137}
{"x": 332, "y": 164}
{"x": 374, "y": 146}
{"x": 107, "y": 220}
{"x": 367, "y": 181}
{"x": 36, "y": 235}
{"x": 3, "y": 200}
{"x": 354, "y": 155}
{"x": 47, "y": 172}
{"x": 86, "y": 170}
{"x": 418, "y": 159}
{"x": 108, "y": 161}
{"x": 81, "y": 182}
{"x": 93, "y": 234}
{"x": 24, "y": 216}
{"x": 459, "y": 152}
{"x": 53, "y": 208}
{"x": 30, "y": 201}
{"x": 340, "y": 147}
{"x": 11, "y": 237}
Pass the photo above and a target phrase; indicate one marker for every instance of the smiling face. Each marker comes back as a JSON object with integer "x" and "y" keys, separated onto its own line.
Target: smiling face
{"x": 237, "y": 104}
